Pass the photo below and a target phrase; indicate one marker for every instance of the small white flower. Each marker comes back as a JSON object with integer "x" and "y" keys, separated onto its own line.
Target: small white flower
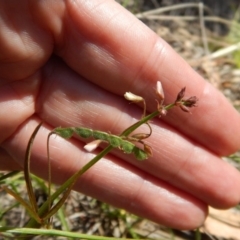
{"x": 159, "y": 91}
{"x": 92, "y": 145}
{"x": 132, "y": 97}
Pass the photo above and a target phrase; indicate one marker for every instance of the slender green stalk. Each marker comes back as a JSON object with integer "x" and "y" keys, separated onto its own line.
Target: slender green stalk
{"x": 44, "y": 211}
{"x": 8, "y": 175}
{"x": 198, "y": 235}
{"x": 63, "y": 220}
{"x": 144, "y": 120}
{"x": 27, "y": 170}
{"x": 52, "y": 232}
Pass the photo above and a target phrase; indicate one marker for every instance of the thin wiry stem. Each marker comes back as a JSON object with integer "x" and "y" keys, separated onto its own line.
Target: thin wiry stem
{"x": 31, "y": 195}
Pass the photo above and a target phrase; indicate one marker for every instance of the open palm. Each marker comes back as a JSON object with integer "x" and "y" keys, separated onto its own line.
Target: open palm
{"x": 68, "y": 63}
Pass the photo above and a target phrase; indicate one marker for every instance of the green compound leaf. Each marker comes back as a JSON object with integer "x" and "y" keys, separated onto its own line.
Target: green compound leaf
{"x": 121, "y": 142}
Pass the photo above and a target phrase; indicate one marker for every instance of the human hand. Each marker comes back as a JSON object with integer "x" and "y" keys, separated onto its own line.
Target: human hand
{"x": 68, "y": 63}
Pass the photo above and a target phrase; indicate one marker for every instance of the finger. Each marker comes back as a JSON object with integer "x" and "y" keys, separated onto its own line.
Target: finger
{"x": 24, "y": 45}
{"x": 110, "y": 180}
{"x": 17, "y": 103}
{"x": 7, "y": 163}
{"x": 176, "y": 159}
{"x": 118, "y": 50}
{"x": 111, "y": 60}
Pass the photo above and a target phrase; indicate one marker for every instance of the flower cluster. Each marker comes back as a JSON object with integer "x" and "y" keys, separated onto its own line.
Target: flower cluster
{"x": 185, "y": 104}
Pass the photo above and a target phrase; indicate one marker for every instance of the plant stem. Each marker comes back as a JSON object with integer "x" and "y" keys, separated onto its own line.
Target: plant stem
{"x": 144, "y": 120}
{"x": 68, "y": 185}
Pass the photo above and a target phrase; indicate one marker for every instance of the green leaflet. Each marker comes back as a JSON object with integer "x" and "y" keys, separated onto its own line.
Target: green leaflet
{"x": 64, "y": 132}
{"x": 140, "y": 154}
{"x": 83, "y": 132}
{"x": 101, "y": 135}
{"x": 115, "y": 141}
{"x": 127, "y": 146}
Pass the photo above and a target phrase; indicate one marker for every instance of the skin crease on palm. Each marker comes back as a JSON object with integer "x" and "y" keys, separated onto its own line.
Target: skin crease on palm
{"x": 68, "y": 63}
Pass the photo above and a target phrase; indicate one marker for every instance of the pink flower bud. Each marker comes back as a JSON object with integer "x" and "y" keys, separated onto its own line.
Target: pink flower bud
{"x": 159, "y": 91}
{"x": 132, "y": 97}
{"x": 92, "y": 145}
